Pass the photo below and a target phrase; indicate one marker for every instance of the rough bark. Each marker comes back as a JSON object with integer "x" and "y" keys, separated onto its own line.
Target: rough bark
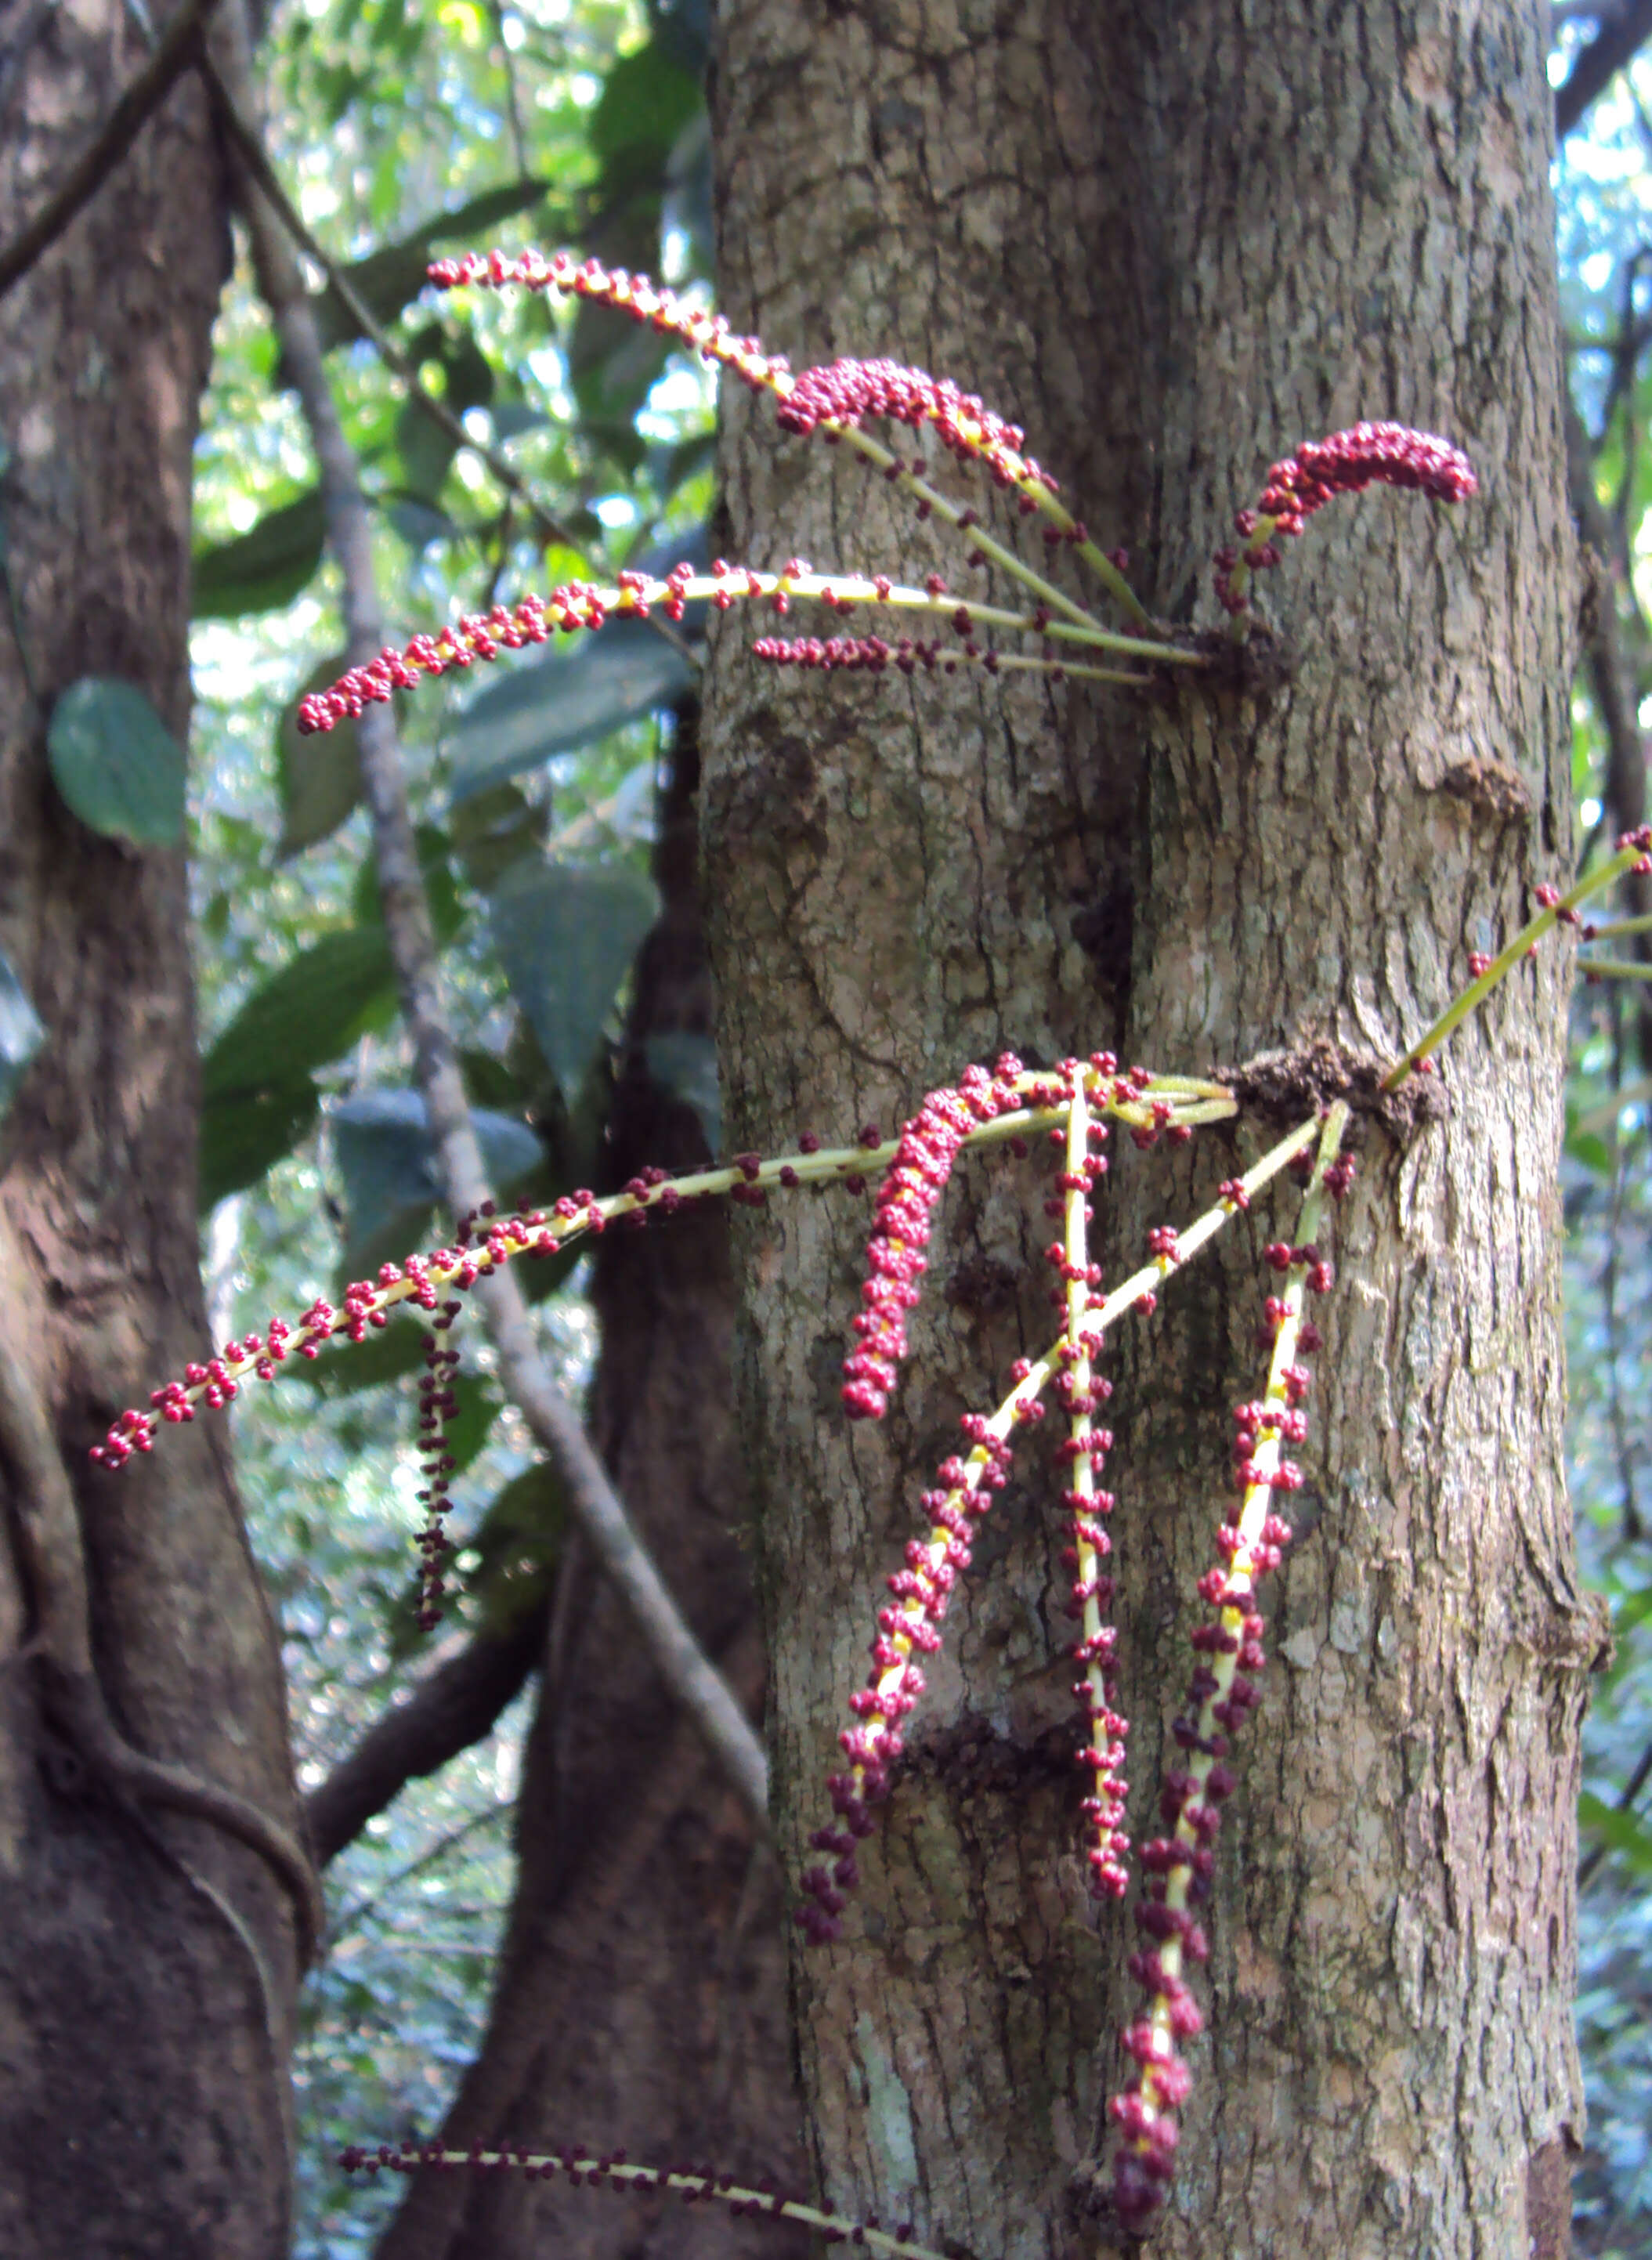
{"x": 147, "y": 1974}
{"x": 640, "y": 2000}
{"x": 1173, "y": 244}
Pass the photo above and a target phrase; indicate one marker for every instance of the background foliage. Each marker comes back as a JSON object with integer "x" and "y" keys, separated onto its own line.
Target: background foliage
{"x": 404, "y": 130}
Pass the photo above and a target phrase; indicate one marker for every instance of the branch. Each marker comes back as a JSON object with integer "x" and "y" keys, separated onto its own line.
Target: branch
{"x": 179, "y": 46}
{"x": 670, "y": 1645}
{"x": 250, "y": 150}
{"x": 1613, "y": 44}
{"x": 49, "y": 1528}
{"x": 449, "y": 1712}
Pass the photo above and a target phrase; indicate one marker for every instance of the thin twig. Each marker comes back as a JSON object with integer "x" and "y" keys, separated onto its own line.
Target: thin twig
{"x": 179, "y": 46}
{"x": 513, "y": 103}
{"x": 692, "y": 1679}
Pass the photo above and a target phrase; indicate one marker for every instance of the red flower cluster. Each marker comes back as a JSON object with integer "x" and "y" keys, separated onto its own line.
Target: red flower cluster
{"x": 922, "y": 1592}
{"x": 1178, "y": 1866}
{"x": 574, "y": 605}
{"x": 707, "y": 333}
{"x": 1346, "y": 462}
{"x": 846, "y": 392}
{"x": 912, "y": 1186}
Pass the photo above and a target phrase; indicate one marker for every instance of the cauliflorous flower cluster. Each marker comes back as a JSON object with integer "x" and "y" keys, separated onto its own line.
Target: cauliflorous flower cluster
{"x": 844, "y": 393}
{"x": 1177, "y": 1866}
{"x": 1346, "y": 462}
{"x": 1008, "y": 1104}
{"x": 916, "y": 1177}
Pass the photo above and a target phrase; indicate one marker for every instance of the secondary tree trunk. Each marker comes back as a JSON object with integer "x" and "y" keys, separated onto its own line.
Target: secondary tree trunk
{"x": 640, "y": 1999}
{"x": 149, "y": 1967}
{"x": 1173, "y": 244}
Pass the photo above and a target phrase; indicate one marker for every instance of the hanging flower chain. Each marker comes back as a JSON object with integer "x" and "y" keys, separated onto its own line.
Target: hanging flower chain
{"x": 1072, "y": 1105}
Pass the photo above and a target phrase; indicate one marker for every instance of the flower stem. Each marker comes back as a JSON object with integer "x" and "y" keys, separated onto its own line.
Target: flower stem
{"x": 1503, "y": 963}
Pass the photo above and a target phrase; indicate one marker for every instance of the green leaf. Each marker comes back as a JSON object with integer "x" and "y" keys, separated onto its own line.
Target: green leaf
{"x": 315, "y": 1008}
{"x": 647, "y": 100}
{"x": 1625, "y": 1833}
{"x": 1592, "y": 1151}
{"x": 493, "y": 830}
{"x": 116, "y": 762}
{"x": 614, "y": 366}
{"x": 388, "y": 1161}
{"x": 320, "y": 774}
{"x": 21, "y": 1034}
{"x": 566, "y": 934}
{"x": 425, "y": 449}
{"x": 392, "y": 277}
{"x": 552, "y": 705}
{"x": 512, "y": 417}
{"x": 490, "y": 1083}
{"x": 685, "y": 28}
{"x": 265, "y": 568}
{"x": 244, "y": 1133}
{"x": 421, "y": 523}
{"x": 518, "y": 1539}
{"x": 479, "y": 1403}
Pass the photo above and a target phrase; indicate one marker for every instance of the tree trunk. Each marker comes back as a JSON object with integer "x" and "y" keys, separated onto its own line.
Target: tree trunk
{"x": 148, "y": 1972}
{"x": 640, "y": 1999}
{"x": 1173, "y": 244}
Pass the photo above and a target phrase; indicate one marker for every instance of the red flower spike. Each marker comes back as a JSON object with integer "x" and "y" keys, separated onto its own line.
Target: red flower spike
{"x": 912, "y": 1627}
{"x": 1102, "y": 1751}
{"x": 906, "y": 1201}
{"x": 1219, "y": 1697}
{"x": 1346, "y": 462}
{"x": 847, "y": 393}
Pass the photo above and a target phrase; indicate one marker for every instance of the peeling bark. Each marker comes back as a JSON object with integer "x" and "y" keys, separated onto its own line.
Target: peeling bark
{"x": 1173, "y": 244}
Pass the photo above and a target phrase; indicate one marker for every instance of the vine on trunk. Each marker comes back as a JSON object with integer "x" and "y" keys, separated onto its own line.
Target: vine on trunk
{"x": 1073, "y": 1105}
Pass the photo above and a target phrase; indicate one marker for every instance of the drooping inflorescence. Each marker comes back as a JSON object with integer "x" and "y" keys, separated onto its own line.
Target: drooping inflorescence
{"x": 1177, "y": 1867}
{"x": 928, "y": 1145}
{"x": 488, "y": 1239}
{"x": 836, "y": 400}
{"x": 1008, "y": 1104}
{"x": 843, "y": 394}
{"x": 1346, "y": 463}
{"x": 576, "y": 605}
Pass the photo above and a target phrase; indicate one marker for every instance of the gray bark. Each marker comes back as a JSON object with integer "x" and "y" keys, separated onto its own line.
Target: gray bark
{"x": 1173, "y": 244}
